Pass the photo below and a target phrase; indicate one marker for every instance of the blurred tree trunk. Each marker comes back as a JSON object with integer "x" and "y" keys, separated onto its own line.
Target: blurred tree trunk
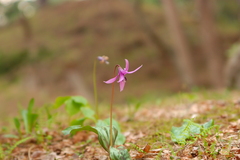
{"x": 182, "y": 51}
{"x": 29, "y": 41}
{"x": 26, "y": 28}
{"x": 156, "y": 40}
{"x": 213, "y": 52}
{"x": 232, "y": 71}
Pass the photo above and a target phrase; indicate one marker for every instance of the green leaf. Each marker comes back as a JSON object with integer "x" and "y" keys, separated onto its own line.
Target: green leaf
{"x": 29, "y": 119}
{"x": 32, "y": 120}
{"x": 208, "y": 124}
{"x": 17, "y": 124}
{"x": 88, "y": 113}
{"x": 120, "y": 153}
{"x": 120, "y": 138}
{"x": 188, "y": 130}
{"x": 60, "y": 101}
{"x": 25, "y": 120}
{"x": 102, "y": 132}
{"x": 49, "y": 116}
{"x": 78, "y": 122}
{"x": 30, "y": 105}
{"x": 104, "y": 137}
{"x": 80, "y": 100}
{"x": 72, "y": 107}
{"x": 74, "y": 104}
{"x": 79, "y": 128}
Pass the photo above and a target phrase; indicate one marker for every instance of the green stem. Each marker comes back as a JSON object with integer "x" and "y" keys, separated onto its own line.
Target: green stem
{"x": 111, "y": 109}
{"x": 95, "y": 89}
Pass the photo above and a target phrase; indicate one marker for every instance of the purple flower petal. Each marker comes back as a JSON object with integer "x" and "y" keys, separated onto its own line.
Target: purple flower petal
{"x": 134, "y": 70}
{"x": 121, "y": 71}
{"x": 127, "y": 65}
{"x": 122, "y": 84}
{"x": 121, "y": 78}
{"x": 121, "y": 75}
{"x": 100, "y": 58}
{"x": 111, "y": 80}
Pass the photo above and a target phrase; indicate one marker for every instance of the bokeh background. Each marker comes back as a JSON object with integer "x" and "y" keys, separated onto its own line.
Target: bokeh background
{"x": 48, "y": 48}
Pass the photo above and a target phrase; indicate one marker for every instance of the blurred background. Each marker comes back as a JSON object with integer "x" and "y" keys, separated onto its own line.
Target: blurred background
{"x": 48, "y": 48}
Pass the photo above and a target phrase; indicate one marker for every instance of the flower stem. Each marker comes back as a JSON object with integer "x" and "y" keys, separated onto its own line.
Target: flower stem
{"x": 111, "y": 110}
{"x": 95, "y": 89}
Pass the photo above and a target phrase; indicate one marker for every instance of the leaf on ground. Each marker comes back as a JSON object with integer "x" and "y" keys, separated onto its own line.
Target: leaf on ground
{"x": 74, "y": 104}
{"x": 60, "y": 101}
{"x": 88, "y": 113}
{"x": 78, "y": 122}
{"x": 120, "y": 138}
{"x": 103, "y": 133}
{"x": 120, "y": 153}
{"x": 79, "y": 128}
{"x": 188, "y": 130}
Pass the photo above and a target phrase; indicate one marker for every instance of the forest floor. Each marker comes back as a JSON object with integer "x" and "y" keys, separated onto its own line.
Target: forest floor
{"x": 147, "y": 129}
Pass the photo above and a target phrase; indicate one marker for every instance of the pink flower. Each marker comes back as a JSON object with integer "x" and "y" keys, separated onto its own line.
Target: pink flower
{"x": 121, "y": 75}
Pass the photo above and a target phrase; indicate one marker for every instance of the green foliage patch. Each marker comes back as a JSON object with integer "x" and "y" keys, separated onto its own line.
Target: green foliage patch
{"x": 119, "y": 153}
{"x": 120, "y": 138}
{"x": 28, "y": 117}
{"x": 189, "y": 130}
{"x": 102, "y": 132}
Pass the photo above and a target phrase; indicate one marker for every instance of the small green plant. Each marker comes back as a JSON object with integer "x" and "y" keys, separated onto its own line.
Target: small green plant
{"x": 29, "y": 119}
{"x": 101, "y": 131}
{"x": 29, "y": 123}
{"x": 191, "y": 130}
{"x": 17, "y": 125}
{"x": 101, "y": 126}
{"x": 120, "y": 137}
{"x": 74, "y": 105}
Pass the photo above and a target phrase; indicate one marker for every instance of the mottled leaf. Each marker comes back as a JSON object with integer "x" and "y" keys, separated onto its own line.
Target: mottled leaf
{"x": 120, "y": 153}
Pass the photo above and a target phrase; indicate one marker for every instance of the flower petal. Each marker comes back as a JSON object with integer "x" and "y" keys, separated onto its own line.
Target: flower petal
{"x": 134, "y": 70}
{"x": 122, "y": 84}
{"x": 121, "y": 71}
{"x": 100, "y": 58}
{"x": 121, "y": 78}
{"x": 127, "y": 65}
{"x": 111, "y": 80}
